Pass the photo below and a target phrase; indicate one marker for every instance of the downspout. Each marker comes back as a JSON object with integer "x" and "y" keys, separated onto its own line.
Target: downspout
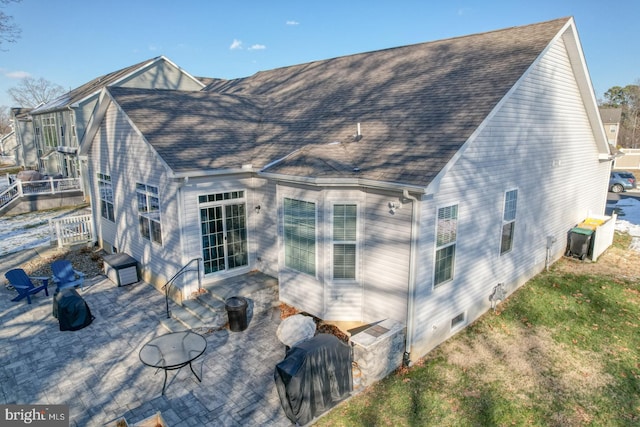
{"x": 406, "y": 359}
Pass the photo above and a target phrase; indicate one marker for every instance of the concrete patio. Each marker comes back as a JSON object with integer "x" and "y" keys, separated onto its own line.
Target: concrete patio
{"x": 97, "y": 371}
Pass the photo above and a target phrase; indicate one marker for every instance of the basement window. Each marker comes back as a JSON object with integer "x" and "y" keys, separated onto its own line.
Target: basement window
{"x": 458, "y": 321}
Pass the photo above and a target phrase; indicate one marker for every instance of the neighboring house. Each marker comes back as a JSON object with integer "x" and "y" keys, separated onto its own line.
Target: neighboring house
{"x": 400, "y": 184}
{"x": 25, "y": 152}
{"x": 8, "y": 144}
{"x": 611, "y": 118}
{"x": 59, "y": 125}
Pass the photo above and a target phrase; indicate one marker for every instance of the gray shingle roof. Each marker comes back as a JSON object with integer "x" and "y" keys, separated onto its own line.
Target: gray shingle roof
{"x": 610, "y": 115}
{"x": 93, "y": 86}
{"x": 416, "y": 104}
{"x": 194, "y": 130}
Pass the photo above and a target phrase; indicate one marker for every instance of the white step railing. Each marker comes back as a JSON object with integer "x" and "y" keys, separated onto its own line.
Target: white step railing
{"x": 71, "y": 230}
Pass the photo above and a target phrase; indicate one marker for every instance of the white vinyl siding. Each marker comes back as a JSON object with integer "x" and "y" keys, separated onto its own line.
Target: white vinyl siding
{"x": 135, "y": 162}
{"x": 539, "y": 141}
{"x": 300, "y": 235}
{"x": 385, "y": 258}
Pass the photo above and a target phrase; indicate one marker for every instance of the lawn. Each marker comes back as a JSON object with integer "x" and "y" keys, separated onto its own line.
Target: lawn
{"x": 564, "y": 350}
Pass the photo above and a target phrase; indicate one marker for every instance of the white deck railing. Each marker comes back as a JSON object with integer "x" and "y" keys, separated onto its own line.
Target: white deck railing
{"x": 71, "y": 230}
{"x": 48, "y": 186}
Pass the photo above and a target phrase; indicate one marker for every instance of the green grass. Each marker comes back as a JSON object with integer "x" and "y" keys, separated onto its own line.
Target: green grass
{"x": 561, "y": 351}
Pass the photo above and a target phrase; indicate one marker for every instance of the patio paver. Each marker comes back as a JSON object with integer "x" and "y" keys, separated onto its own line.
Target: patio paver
{"x": 97, "y": 372}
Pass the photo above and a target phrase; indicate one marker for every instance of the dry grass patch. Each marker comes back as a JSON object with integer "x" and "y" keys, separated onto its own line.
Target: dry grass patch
{"x": 529, "y": 362}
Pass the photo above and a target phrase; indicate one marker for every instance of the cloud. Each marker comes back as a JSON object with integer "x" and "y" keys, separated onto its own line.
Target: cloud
{"x": 258, "y": 47}
{"x": 16, "y": 74}
{"x": 293, "y": 23}
{"x": 237, "y": 44}
{"x": 153, "y": 47}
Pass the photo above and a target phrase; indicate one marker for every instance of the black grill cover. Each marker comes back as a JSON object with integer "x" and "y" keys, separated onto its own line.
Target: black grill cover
{"x": 72, "y": 311}
{"x": 314, "y": 376}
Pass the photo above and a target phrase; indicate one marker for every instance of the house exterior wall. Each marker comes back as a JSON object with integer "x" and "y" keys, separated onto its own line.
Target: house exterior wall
{"x": 302, "y": 290}
{"x": 386, "y": 258}
{"x": 612, "y": 130}
{"x": 82, "y": 115}
{"x": 161, "y": 75}
{"x": 380, "y": 289}
{"x": 71, "y": 124}
{"x": 120, "y": 152}
{"x": 26, "y": 154}
{"x": 265, "y": 242}
{"x": 259, "y": 238}
{"x": 8, "y": 144}
{"x": 539, "y": 143}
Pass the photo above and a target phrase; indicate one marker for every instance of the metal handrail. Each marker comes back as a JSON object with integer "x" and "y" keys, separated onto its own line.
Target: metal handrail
{"x": 175, "y": 276}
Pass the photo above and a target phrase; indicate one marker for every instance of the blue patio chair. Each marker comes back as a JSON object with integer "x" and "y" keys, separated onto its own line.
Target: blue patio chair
{"x": 64, "y": 275}
{"x": 24, "y": 285}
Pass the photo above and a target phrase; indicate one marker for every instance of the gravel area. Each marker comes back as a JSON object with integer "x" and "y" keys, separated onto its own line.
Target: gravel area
{"x": 87, "y": 260}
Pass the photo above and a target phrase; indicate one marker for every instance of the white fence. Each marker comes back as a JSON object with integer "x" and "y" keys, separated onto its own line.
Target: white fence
{"x": 71, "y": 230}
{"x": 604, "y": 234}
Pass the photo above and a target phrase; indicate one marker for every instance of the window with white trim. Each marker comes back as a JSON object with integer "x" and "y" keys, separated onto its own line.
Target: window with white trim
{"x": 300, "y": 235}
{"x": 508, "y": 221}
{"x": 106, "y": 196}
{"x": 49, "y": 131}
{"x": 447, "y": 230}
{"x": 345, "y": 221}
{"x": 149, "y": 212}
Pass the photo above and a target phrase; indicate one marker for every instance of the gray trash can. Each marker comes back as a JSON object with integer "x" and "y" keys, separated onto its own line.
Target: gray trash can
{"x": 237, "y": 312}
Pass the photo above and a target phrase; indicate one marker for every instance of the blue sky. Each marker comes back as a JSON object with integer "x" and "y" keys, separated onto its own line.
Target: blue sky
{"x": 70, "y": 42}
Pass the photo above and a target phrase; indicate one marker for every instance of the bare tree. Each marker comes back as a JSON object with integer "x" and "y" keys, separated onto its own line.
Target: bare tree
{"x": 9, "y": 31}
{"x": 32, "y": 92}
{"x": 626, "y": 98}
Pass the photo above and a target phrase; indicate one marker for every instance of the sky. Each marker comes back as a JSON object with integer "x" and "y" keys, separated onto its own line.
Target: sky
{"x": 70, "y": 42}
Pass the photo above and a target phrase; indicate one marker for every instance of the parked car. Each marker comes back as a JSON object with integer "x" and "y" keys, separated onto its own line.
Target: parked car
{"x": 620, "y": 181}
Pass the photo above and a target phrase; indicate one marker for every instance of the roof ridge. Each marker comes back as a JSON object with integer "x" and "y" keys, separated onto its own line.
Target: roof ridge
{"x": 352, "y": 55}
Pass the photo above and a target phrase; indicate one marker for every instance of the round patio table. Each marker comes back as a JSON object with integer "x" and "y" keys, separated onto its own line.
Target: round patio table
{"x": 173, "y": 351}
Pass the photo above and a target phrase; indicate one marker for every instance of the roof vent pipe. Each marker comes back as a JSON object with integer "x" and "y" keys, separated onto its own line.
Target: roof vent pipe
{"x": 358, "y": 135}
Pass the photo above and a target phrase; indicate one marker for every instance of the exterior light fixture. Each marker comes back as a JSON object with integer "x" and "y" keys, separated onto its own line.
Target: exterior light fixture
{"x": 257, "y": 209}
{"x": 394, "y": 206}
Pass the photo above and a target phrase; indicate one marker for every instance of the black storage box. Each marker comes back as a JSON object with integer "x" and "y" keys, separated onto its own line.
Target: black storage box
{"x": 121, "y": 269}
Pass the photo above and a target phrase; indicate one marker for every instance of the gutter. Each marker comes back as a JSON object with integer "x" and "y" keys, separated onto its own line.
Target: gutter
{"x": 341, "y": 182}
{"x": 406, "y": 359}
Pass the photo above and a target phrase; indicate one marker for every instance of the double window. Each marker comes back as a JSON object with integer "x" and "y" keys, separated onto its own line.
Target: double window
{"x": 447, "y": 230}
{"x": 149, "y": 212}
{"x": 508, "y": 221}
{"x": 345, "y": 218}
{"x": 300, "y": 235}
{"x": 106, "y": 196}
